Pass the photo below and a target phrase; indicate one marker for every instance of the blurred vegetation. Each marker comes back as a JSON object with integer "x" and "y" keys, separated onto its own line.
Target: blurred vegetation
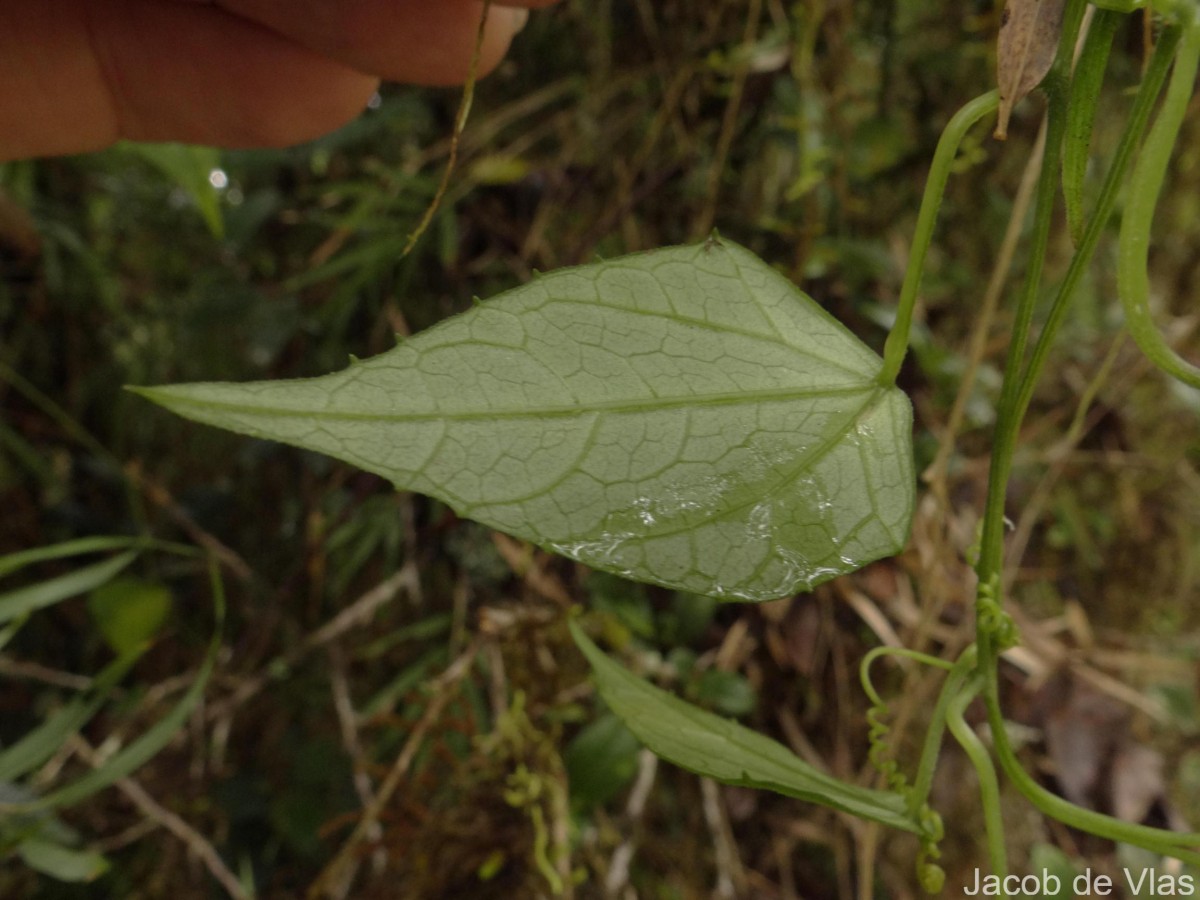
{"x": 802, "y": 130}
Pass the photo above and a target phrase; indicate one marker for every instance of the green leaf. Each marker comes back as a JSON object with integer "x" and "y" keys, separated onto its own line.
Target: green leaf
{"x": 40, "y": 744}
{"x": 139, "y": 750}
{"x": 728, "y": 693}
{"x": 46, "y": 593}
{"x": 157, "y": 736}
{"x": 601, "y": 760}
{"x": 129, "y": 612}
{"x": 61, "y": 863}
{"x": 1049, "y": 859}
{"x": 684, "y": 416}
{"x": 717, "y": 748}
{"x": 12, "y": 562}
{"x": 189, "y": 168}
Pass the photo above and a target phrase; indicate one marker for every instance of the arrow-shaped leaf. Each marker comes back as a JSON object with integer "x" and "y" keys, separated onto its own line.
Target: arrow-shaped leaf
{"x": 683, "y": 416}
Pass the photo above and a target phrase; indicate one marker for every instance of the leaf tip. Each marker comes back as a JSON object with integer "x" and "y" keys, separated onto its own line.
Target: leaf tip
{"x": 142, "y": 391}
{"x": 712, "y": 242}
{"x": 1001, "y": 132}
{"x": 164, "y": 395}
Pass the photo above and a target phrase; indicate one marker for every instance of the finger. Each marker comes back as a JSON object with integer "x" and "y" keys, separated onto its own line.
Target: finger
{"x": 75, "y": 75}
{"x": 418, "y": 41}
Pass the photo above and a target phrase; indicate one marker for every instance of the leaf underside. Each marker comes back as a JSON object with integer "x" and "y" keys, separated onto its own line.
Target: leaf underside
{"x": 719, "y": 748}
{"x": 684, "y": 416}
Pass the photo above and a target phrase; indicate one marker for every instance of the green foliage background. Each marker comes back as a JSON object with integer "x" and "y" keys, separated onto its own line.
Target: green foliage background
{"x": 801, "y": 130}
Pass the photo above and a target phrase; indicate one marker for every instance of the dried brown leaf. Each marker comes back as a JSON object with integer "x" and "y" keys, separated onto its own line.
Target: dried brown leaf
{"x": 1084, "y": 729}
{"x": 1029, "y": 34}
{"x": 1137, "y": 782}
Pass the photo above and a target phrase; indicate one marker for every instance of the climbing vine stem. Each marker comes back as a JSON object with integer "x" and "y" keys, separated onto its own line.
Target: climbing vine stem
{"x": 1133, "y": 281}
{"x": 935, "y": 186}
{"x": 1019, "y": 382}
{"x": 989, "y": 786}
{"x": 1015, "y": 398}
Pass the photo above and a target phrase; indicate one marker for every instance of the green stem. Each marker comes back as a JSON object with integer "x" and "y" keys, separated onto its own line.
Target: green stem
{"x": 1169, "y": 8}
{"x": 1168, "y": 843}
{"x": 959, "y": 671}
{"x": 902, "y": 653}
{"x": 1133, "y": 279}
{"x": 1014, "y": 403}
{"x": 989, "y": 786}
{"x": 1156, "y": 75}
{"x": 1086, "y": 83}
{"x": 939, "y": 173}
{"x": 1018, "y": 389}
{"x": 1004, "y": 440}
{"x": 932, "y": 745}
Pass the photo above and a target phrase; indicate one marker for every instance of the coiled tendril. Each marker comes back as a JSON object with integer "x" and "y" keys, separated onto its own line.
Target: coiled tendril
{"x": 931, "y": 828}
{"x": 993, "y": 620}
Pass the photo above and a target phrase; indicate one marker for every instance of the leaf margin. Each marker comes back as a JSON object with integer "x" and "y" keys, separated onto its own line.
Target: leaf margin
{"x": 660, "y": 720}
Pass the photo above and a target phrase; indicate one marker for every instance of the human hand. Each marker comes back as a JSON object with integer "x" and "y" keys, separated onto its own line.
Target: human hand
{"x": 77, "y": 75}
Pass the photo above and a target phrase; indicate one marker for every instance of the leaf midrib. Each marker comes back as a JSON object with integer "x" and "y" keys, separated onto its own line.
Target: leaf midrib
{"x": 648, "y": 404}
{"x": 821, "y": 786}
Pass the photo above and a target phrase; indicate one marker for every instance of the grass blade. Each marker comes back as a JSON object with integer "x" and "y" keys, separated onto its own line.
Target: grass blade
{"x": 46, "y": 593}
